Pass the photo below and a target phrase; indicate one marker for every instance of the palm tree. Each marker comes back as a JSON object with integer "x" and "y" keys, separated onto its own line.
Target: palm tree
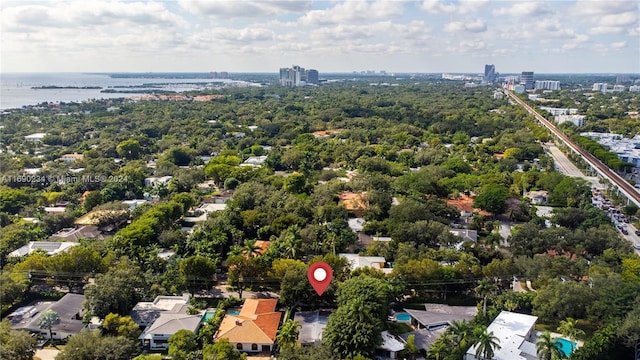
{"x": 461, "y": 331}
{"x": 251, "y": 249}
{"x": 287, "y": 336}
{"x": 569, "y": 329}
{"x": 487, "y": 343}
{"x": 547, "y": 347}
{"x": 438, "y": 350}
{"x": 48, "y": 320}
{"x": 484, "y": 289}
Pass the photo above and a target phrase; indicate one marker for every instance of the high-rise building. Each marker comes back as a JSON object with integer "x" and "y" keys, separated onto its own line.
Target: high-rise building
{"x": 547, "y": 85}
{"x": 313, "y": 76}
{"x": 600, "y": 87}
{"x": 526, "y": 79}
{"x": 297, "y": 76}
{"x": 489, "y": 73}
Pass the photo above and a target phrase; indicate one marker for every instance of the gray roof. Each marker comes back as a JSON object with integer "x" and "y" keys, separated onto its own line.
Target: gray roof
{"x": 423, "y": 338}
{"x": 312, "y": 323}
{"x": 145, "y": 312}
{"x": 391, "y": 342}
{"x": 68, "y": 308}
{"x": 437, "y": 314}
{"x": 169, "y": 324}
{"x": 75, "y": 234}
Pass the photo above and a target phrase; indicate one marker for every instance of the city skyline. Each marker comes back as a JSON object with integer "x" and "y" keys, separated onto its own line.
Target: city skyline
{"x": 331, "y": 36}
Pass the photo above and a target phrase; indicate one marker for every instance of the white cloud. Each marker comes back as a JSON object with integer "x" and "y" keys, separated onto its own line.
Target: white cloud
{"x": 474, "y": 26}
{"x": 243, "y": 8}
{"x": 444, "y": 7}
{"x": 623, "y": 19}
{"x": 525, "y": 8}
{"x": 619, "y": 44}
{"x": 242, "y": 35}
{"x": 88, "y": 15}
{"x": 599, "y": 30}
{"x": 353, "y": 11}
{"x": 591, "y": 7}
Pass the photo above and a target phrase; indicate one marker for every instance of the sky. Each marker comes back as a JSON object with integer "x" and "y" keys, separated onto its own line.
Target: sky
{"x": 559, "y": 36}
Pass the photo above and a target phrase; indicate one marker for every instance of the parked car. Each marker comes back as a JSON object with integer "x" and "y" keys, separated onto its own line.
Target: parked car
{"x": 638, "y": 232}
{"x": 624, "y": 231}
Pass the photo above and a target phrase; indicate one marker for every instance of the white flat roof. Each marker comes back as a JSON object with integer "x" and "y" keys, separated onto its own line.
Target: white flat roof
{"x": 511, "y": 329}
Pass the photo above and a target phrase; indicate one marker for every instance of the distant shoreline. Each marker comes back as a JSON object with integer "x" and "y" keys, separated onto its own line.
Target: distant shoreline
{"x": 50, "y": 87}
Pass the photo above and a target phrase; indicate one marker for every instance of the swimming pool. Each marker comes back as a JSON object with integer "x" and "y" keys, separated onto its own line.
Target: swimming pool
{"x": 233, "y": 312}
{"x": 403, "y": 317}
{"x": 566, "y": 346}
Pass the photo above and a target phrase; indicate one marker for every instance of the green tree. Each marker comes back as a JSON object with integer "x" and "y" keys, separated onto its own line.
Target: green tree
{"x": 568, "y": 328}
{"x": 372, "y": 291}
{"x": 629, "y": 331}
{"x": 116, "y": 325}
{"x": 15, "y": 344}
{"x": 353, "y": 330}
{"x": 492, "y": 198}
{"x": 90, "y": 345}
{"x": 485, "y": 288}
{"x": 197, "y": 271}
{"x": 182, "y": 343}
{"x": 547, "y": 347}
{"x": 118, "y": 290}
{"x": 287, "y": 336}
{"x": 410, "y": 349}
{"x": 129, "y": 149}
{"x": 47, "y": 320}
{"x": 487, "y": 344}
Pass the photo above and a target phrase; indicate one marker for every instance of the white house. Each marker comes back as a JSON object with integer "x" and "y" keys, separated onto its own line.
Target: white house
{"x": 516, "y": 335}
{"x": 157, "y": 181}
{"x": 356, "y": 261}
{"x": 50, "y": 247}
{"x": 35, "y": 137}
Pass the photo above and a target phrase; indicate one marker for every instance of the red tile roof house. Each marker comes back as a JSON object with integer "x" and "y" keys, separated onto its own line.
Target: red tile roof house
{"x": 254, "y": 329}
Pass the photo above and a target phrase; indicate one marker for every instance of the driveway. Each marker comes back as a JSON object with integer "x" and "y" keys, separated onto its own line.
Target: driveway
{"x": 47, "y": 354}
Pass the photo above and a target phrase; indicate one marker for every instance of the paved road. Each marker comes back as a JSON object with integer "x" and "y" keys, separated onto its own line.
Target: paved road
{"x": 563, "y": 163}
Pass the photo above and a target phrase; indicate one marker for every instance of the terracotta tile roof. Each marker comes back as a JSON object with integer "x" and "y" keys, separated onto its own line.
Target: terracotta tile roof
{"x": 257, "y": 323}
{"x": 353, "y": 201}
{"x": 465, "y": 203}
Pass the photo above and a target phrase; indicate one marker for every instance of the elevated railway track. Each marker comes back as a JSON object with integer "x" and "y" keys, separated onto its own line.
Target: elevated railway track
{"x": 600, "y": 168}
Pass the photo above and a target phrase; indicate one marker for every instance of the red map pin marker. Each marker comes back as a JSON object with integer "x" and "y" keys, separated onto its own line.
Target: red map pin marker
{"x": 320, "y": 275}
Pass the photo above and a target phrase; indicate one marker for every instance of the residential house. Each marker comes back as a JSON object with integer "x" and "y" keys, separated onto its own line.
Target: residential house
{"x": 157, "y": 181}
{"x": 156, "y": 336}
{"x": 255, "y": 161}
{"x": 355, "y": 203}
{"x": 312, "y": 324}
{"x": 69, "y": 308}
{"x": 146, "y": 312}
{"x": 516, "y": 335}
{"x": 71, "y": 157}
{"x": 77, "y": 233}
{"x": 537, "y": 197}
{"x": 465, "y": 234}
{"x": 37, "y": 137}
{"x": 254, "y": 329}
{"x": 356, "y": 261}
{"x": 50, "y": 247}
{"x": 437, "y": 316}
{"x": 134, "y": 203}
{"x": 391, "y": 345}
